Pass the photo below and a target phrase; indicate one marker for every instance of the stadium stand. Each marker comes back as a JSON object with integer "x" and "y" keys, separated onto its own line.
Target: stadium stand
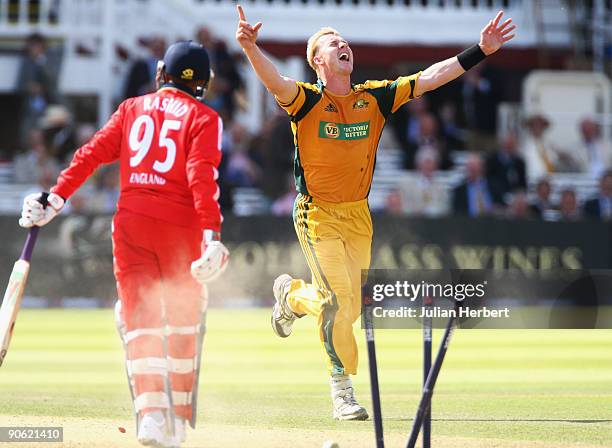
{"x": 98, "y": 41}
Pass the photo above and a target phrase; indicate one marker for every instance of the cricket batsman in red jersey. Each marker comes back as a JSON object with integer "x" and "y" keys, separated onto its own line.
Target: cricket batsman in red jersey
{"x": 166, "y": 234}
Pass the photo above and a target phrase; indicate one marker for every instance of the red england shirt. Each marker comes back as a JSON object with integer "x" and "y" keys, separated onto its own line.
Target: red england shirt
{"x": 169, "y": 147}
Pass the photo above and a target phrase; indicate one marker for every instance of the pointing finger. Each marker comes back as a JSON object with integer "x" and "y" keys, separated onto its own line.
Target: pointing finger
{"x": 241, "y": 12}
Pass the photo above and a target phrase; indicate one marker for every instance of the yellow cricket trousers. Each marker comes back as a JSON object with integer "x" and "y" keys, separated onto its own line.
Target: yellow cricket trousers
{"x": 336, "y": 240}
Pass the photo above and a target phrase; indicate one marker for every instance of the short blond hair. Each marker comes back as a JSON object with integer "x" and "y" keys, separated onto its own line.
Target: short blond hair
{"x": 313, "y": 43}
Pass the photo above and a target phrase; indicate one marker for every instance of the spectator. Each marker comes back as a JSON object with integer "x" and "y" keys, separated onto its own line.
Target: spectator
{"x": 540, "y": 156}
{"x": 240, "y": 170}
{"x": 481, "y": 94}
{"x": 36, "y": 83}
{"x": 421, "y": 193}
{"x": 452, "y": 135}
{"x": 542, "y": 204}
{"x": 273, "y": 148}
{"x": 428, "y": 136}
{"x": 141, "y": 77}
{"x": 227, "y": 82}
{"x": 592, "y": 154}
{"x": 59, "y": 132}
{"x": 205, "y": 37}
{"x": 473, "y": 197}
{"x": 600, "y": 207}
{"x": 29, "y": 166}
{"x": 518, "y": 207}
{"x": 506, "y": 169}
{"x": 393, "y": 203}
{"x": 568, "y": 205}
{"x": 406, "y": 124}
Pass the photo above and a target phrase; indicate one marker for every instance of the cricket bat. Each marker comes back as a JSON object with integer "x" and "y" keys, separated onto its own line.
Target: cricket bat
{"x": 14, "y": 293}
{"x": 15, "y": 289}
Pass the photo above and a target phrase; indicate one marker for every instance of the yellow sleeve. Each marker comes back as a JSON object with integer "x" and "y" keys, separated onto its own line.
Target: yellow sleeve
{"x": 405, "y": 87}
{"x": 297, "y": 102}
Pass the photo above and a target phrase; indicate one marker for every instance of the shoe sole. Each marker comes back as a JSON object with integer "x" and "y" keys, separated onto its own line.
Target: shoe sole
{"x": 278, "y": 329}
{"x": 151, "y": 442}
{"x": 155, "y": 444}
{"x": 354, "y": 417}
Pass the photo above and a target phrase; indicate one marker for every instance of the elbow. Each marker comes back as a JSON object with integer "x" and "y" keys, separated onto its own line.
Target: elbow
{"x": 431, "y": 81}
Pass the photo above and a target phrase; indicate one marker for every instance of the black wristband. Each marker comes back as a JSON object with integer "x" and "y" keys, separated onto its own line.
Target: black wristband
{"x": 470, "y": 57}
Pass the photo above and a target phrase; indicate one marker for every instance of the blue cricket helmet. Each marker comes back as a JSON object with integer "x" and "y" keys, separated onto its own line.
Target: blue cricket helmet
{"x": 187, "y": 61}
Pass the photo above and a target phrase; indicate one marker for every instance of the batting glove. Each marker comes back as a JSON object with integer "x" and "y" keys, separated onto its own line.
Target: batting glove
{"x": 34, "y": 213}
{"x": 213, "y": 261}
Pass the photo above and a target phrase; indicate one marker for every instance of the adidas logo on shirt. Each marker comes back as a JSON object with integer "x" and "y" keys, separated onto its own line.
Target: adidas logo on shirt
{"x": 331, "y": 108}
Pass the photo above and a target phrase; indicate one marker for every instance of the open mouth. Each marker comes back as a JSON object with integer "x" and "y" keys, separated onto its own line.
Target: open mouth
{"x": 344, "y": 57}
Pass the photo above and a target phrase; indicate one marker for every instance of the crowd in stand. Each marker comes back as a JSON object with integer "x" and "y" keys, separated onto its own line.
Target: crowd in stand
{"x": 497, "y": 169}
{"x": 493, "y": 186}
{"x": 496, "y": 181}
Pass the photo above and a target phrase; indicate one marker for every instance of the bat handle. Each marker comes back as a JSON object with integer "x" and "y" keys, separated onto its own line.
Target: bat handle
{"x": 28, "y": 248}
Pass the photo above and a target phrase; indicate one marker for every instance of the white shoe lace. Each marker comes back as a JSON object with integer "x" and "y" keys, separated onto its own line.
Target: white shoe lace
{"x": 343, "y": 394}
{"x": 347, "y": 396}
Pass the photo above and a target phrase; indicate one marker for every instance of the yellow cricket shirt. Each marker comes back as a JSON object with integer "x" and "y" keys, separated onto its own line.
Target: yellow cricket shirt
{"x": 336, "y": 137}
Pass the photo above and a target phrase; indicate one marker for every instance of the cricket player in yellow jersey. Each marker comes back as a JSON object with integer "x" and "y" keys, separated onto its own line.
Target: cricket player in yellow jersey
{"x": 336, "y": 127}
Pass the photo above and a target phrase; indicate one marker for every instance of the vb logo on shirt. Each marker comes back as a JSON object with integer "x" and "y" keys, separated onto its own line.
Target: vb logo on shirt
{"x": 341, "y": 131}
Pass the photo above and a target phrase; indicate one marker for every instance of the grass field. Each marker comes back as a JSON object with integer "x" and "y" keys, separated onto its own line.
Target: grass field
{"x": 497, "y": 388}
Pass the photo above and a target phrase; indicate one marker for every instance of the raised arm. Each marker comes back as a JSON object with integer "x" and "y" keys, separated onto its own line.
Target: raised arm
{"x": 283, "y": 88}
{"x": 492, "y": 37}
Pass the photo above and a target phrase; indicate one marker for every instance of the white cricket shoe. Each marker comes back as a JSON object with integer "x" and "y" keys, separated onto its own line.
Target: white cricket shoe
{"x": 343, "y": 399}
{"x": 282, "y": 316}
{"x": 153, "y": 431}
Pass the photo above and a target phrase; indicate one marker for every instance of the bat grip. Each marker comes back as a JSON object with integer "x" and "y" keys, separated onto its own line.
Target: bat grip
{"x": 44, "y": 199}
{"x": 28, "y": 248}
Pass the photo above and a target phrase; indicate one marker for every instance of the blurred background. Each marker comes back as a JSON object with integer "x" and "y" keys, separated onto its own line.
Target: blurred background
{"x": 509, "y": 167}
